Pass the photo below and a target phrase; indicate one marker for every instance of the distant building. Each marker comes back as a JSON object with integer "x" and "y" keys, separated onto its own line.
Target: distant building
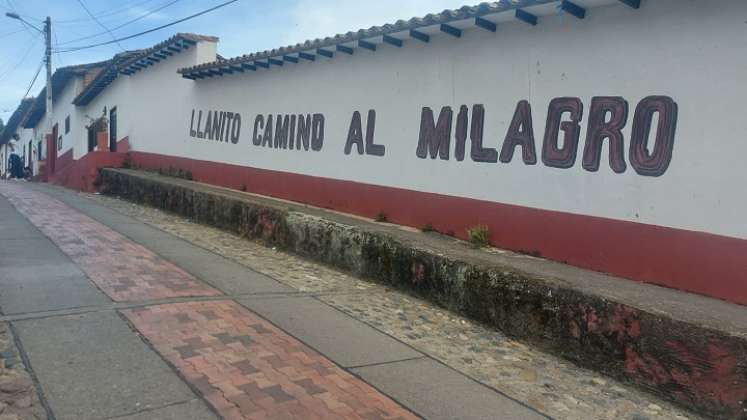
{"x": 14, "y": 137}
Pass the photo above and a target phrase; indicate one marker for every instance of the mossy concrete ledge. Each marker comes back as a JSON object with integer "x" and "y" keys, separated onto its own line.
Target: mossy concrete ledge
{"x": 686, "y": 348}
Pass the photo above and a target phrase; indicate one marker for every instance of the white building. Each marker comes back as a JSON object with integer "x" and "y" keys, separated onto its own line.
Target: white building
{"x": 139, "y": 93}
{"x": 51, "y": 137}
{"x": 113, "y": 99}
{"x": 601, "y": 133}
{"x": 15, "y": 138}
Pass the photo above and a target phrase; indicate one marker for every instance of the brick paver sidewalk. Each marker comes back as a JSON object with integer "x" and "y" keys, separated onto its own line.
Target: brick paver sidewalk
{"x": 125, "y": 271}
{"x": 240, "y": 363}
{"x": 247, "y": 368}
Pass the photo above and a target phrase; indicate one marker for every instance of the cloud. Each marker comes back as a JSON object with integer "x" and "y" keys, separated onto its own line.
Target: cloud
{"x": 322, "y": 18}
{"x": 145, "y": 14}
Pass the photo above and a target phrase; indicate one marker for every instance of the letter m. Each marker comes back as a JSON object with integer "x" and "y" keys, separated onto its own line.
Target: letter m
{"x": 435, "y": 137}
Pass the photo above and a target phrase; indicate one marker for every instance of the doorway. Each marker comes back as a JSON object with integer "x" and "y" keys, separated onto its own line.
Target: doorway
{"x": 91, "y": 138}
{"x": 30, "y": 164}
{"x": 113, "y": 129}
{"x": 52, "y": 149}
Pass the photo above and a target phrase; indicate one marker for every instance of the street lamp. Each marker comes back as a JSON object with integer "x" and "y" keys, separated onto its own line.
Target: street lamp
{"x": 18, "y": 17}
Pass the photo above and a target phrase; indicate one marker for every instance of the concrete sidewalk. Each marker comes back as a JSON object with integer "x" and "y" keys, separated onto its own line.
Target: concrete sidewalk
{"x": 122, "y": 320}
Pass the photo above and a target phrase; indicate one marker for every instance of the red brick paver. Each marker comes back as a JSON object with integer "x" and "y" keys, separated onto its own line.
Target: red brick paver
{"x": 247, "y": 368}
{"x": 122, "y": 269}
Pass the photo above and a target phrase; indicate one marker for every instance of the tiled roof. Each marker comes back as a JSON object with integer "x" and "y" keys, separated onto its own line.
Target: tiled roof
{"x": 130, "y": 62}
{"x": 164, "y": 49}
{"x": 16, "y": 119}
{"x": 391, "y": 33}
{"x": 60, "y": 79}
{"x": 103, "y": 77}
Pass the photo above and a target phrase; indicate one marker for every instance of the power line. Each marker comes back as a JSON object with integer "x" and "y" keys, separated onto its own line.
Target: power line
{"x": 57, "y": 44}
{"x": 129, "y": 22}
{"x": 28, "y": 51}
{"x": 71, "y": 49}
{"x": 102, "y": 15}
{"x": 83, "y": 5}
{"x": 38, "y": 70}
{"x": 12, "y": 33}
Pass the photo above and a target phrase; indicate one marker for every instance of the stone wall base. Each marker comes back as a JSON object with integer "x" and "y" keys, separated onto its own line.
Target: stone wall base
{"x": 685, "y": 348}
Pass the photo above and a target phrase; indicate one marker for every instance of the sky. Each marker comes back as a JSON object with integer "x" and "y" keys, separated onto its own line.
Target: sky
{"x": 244, "y": 27}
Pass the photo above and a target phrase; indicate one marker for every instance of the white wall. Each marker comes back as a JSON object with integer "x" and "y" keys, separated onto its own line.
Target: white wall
{"x": 688, "y": 50}
{"x": 150, "y": 101}
{"x": 62, "y": 107}
{"x": 3, "y": 160}
{"x": 685, "y": 49}
{"x": 24, "y": 135}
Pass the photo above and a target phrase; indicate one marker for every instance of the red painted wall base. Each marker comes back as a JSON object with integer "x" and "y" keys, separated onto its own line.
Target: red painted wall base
{"x": 692, "y": 261}
{"x": 81, "y": 174}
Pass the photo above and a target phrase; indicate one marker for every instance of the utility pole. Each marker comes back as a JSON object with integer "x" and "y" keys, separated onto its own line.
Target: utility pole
{"x": 47, "y": 32}
{"x": 48, "y": 59}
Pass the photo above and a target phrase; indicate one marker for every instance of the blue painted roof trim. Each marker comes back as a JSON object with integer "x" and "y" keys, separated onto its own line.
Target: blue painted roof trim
{"x": 393, "y": 41}
{"x": 486, "y": 24}
{"x": 573, "y": 9}
{"x": 448, "y": 29}
{"x": 527, "y": 17}
{"x": 413, "y": 27}
{"x": 177, "y": 45}
{"x": 420, "y": 36}
{"x": 131, "y": 62}
{"x": 391, "y": 34}
{"x": 306, "y": 56}
{"x": 325, "y": 53}
{"x": 344, "y": 49}
{"x": 632, "y": 3}
{"x": 367, "y": 45}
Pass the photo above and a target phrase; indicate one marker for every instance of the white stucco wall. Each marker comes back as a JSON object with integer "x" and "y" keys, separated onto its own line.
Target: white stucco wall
{"x": 63, "y": 107}
{"x": 150, "y": 101}
{"x": 685, "y": 49}
{"x": 21, "y": 146}
{"x": 136, "y": 97}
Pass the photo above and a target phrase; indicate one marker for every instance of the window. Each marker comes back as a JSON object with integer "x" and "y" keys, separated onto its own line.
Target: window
{"x": 67, "y": 124}
{"x": 39, "y": 151}
{"x": 59, "y": 143}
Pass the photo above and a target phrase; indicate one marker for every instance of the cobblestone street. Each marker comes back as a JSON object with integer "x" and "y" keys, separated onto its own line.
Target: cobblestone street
{"x": 551, "y": 385}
